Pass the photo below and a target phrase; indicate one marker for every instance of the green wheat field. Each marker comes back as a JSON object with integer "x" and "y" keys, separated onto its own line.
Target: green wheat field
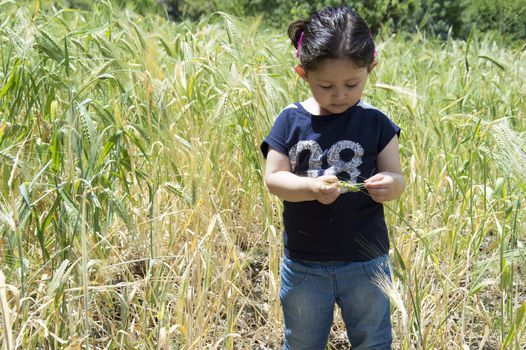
{"x": 133, "y": 213}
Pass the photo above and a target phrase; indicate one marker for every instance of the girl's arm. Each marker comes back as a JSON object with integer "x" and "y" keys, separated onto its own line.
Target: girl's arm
{"x": 293, "y": 188}
{"x": 389, "y": 183}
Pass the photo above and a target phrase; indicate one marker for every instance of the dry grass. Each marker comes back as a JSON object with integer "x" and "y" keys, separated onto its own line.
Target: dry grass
{"x": 132, "y": 209}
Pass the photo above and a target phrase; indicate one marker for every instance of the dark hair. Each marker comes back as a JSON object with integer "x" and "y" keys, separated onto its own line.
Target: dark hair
{"x": 333, "y": 32}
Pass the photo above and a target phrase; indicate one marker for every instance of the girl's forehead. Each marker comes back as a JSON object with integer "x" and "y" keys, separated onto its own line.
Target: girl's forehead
{"x": 338, "y": 69}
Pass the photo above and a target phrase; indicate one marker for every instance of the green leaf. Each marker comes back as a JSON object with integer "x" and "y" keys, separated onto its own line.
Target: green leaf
{"x": 520, "y": 315}
{"x": 494, "y": 61}
{"x": 66, "y": 55}
{"x": 13, "y": 76}
{"x": 166, "y": 47}
{"x": 48, "y": 46}
{"x": 59, "y": 278}
{"x": 108, "y": 146}
{"x": 25, "y": 194}
{"x": 56, "y": 152}
{"x": 122, "y": 211}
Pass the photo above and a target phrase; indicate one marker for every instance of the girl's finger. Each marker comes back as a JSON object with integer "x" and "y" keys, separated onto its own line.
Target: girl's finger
{"x": 375, "y": 185}
{"x": 373, "y": 179}
{"x": 377, "y": 194}
{"x": 329, "y": 179}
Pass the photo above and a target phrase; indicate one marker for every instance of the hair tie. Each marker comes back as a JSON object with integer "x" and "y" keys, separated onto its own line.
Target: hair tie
{"x": 299, "y": 44}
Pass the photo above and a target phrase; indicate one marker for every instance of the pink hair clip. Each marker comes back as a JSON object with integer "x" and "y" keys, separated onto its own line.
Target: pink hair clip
{"x": 299, "y": 44}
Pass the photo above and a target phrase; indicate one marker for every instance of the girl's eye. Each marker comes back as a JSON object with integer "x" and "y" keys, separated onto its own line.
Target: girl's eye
{"x": 326, "y": 87}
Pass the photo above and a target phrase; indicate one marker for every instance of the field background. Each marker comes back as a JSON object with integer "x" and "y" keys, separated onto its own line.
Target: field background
{"x": 133, "y": 214}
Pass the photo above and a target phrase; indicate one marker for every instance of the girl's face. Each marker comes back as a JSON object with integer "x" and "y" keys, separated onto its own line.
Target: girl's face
{"x": 336, "y": 84}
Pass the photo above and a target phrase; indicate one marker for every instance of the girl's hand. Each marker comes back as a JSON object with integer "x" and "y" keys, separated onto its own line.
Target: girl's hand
{"x": 325, "y": 189}
{"x": 293, "y": 188}
{"x": 385, "y": 186}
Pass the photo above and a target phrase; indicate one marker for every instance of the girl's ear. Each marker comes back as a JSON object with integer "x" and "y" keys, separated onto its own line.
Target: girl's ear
{"x": 371, "y": 66}
{"x": 301, "y": 72}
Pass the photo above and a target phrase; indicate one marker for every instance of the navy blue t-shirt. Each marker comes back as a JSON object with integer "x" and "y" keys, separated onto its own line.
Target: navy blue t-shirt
{"x": 347, "y": 144}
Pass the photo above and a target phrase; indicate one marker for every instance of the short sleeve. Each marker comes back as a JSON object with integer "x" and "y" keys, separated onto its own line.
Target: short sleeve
{"x": 278, "y": 134}
{"x": 388, "y": 130}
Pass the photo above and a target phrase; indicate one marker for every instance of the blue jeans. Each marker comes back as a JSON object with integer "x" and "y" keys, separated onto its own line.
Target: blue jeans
{"x": 309, "y": 291}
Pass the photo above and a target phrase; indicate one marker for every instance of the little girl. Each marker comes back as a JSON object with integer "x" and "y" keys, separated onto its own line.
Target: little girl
{"x": 335, "y": 241}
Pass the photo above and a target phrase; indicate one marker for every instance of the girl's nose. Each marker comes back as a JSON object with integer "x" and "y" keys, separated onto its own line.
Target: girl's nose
{"x": 340, "y": 94}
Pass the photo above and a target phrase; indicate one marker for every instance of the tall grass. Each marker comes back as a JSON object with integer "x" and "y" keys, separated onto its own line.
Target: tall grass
{"x": 132, "y": 208}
